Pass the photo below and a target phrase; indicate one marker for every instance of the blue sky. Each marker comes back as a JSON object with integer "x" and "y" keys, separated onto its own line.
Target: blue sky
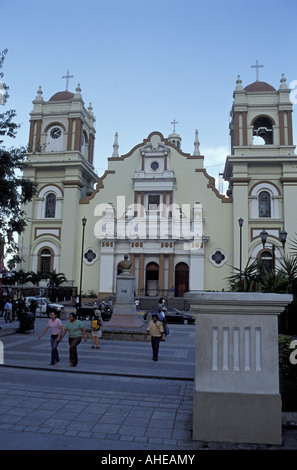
{"x": 143, "y": 63}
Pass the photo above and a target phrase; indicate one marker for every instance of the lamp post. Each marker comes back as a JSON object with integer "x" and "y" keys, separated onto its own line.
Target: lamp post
{"x": 283, "y": 238}
{"x": 264, "y": 236}
{"x": 84, "y": 221}
{"x": 240, "y": 222}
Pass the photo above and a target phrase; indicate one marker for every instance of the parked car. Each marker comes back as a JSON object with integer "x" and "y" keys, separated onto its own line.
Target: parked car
{"x": 44, "y": 305}
{"x": 173, "y": 315}
{"x": 87, "y": 311}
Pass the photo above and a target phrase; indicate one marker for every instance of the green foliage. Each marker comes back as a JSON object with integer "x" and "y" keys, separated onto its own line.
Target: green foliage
{"x": 91, "y": 293}
{"x": 287, "y": 374}
{"x": 21, "y": 277}
{"x": 283, "y": 280}
{"x": 55, "y": 279}
{"x": 255, "y": 278}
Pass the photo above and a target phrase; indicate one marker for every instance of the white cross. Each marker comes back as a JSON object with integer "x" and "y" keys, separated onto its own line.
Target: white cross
{"x": 174, "y": 122}
{"x": 257, "y": 66}
{"x": 67, "y": 79}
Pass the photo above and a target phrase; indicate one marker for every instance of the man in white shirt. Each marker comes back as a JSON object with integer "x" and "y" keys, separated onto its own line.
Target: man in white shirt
{"x": 8, "y": 311}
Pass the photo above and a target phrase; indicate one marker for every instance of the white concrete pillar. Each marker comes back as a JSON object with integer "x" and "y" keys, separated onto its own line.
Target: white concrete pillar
{"x": 236, "y": 397}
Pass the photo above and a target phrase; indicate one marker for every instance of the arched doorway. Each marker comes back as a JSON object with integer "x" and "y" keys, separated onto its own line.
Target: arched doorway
{"x": 267, "y": 260}
{"x": 152, "y": 279}
{"x": 45, "y": 260}
{"x": 181, "y": 279}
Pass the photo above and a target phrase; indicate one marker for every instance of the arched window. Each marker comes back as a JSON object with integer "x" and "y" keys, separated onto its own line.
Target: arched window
{"x": 50, "y": 206}
{"x": 45, "y": 260}
{"x": 264, "y": 204}
{"x": 262, "y": 129}
{"x": 265, "y": 200}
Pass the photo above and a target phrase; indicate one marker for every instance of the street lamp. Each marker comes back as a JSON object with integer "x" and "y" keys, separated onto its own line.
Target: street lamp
{"x": 283, "y": 238}
{"x": 240, "y": 222}
{"x": 264, "y": 236}
{"x": 84, "y": 222}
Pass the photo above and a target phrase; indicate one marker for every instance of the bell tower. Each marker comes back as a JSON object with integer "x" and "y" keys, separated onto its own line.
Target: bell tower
{"x": 262, "y": 168}
{"x": 261, "y": 119}
{"x": 60, "y": 163}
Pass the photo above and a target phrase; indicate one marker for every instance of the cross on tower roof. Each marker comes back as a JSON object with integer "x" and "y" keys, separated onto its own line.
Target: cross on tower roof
{"x": 67, "y": 79}
{"x": 257, "y": 66}
{"x": 174, "y": 122}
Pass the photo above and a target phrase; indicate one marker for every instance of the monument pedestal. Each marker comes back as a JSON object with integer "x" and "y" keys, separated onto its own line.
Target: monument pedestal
{"x": 125, "y": 323}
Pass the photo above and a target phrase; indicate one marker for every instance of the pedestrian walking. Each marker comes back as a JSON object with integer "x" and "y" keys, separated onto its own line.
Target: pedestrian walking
{"x": 96, "y": 329}
{"x": 155, "y": 329}
{"x": 8, "y": 311}
{"x": 76, "y": 331}
{"x": 55, "y": 326}
{"x": 162, "y": 319}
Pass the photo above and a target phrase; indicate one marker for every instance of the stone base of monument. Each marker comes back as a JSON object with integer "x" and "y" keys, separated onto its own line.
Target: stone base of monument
{"x": 125, "y": 326}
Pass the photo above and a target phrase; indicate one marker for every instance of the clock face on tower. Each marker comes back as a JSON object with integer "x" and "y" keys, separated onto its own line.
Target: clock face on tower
{"x": 55, "y": 133}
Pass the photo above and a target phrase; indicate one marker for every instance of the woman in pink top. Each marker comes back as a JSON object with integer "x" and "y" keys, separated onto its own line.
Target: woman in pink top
{"x": 55, "y": 326}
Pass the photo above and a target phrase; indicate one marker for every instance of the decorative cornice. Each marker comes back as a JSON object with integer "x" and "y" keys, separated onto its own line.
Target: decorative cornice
{"x": 288, "y": 179}
{"x": 211, "y": 185}
{"x": 240, "y": 180}
{"x": 72, "y": 183}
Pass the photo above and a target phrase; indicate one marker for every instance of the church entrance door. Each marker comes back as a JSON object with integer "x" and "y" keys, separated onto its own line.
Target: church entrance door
{"x": 181, "y": 279}
{"x": 152, "y": 279}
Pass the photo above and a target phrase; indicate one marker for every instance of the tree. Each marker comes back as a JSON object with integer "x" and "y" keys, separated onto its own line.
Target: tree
{"x": 35, "y": 278}
{"x": 56, "y": 279}
{"x": 14, "y": 190}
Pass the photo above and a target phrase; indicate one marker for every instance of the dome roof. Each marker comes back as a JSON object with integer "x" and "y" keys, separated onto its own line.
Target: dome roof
{"x": 259, "y": 86}
{"x": 62, "y": 96}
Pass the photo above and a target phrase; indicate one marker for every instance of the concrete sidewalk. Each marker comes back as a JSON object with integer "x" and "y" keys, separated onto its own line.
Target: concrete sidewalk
{"x": 117, "y": 398}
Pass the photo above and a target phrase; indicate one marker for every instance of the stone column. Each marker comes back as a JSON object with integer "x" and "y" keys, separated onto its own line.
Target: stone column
{"x": 236, "y": 396}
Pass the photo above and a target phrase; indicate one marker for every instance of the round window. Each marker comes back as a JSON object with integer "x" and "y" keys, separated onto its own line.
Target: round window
{"x": 154, "y": 166}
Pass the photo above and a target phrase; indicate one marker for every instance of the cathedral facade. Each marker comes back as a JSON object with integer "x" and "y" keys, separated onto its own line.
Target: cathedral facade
{"x": 157, "y": 204}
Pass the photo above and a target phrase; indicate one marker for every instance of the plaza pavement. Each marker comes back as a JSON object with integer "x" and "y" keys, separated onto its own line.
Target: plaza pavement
{"x": 116, "y": 399}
